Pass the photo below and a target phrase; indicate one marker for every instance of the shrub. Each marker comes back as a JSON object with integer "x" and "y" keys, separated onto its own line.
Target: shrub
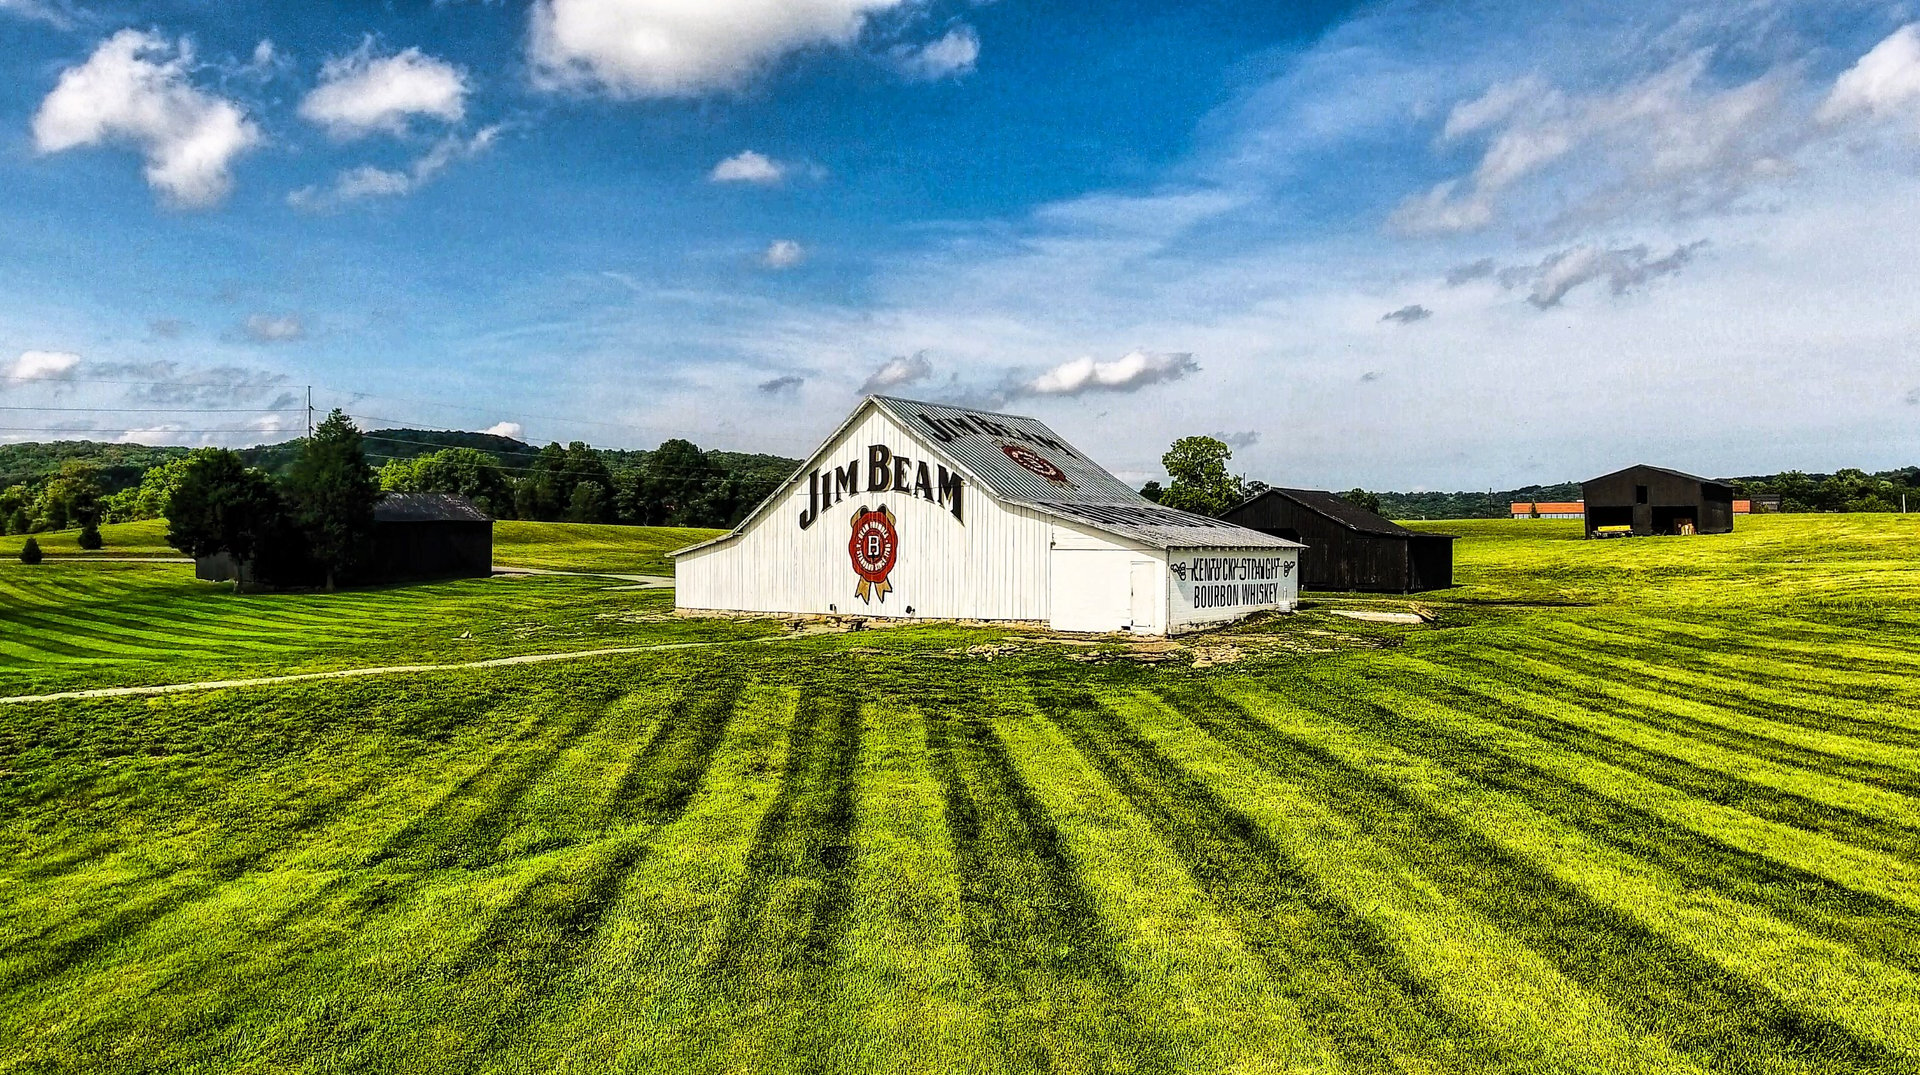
{"x": 30, "y": 552}
{"x": 90, "y": 538}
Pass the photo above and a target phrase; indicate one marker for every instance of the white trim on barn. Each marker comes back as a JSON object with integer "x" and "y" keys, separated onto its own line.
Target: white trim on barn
{"x": 927, "y": 511}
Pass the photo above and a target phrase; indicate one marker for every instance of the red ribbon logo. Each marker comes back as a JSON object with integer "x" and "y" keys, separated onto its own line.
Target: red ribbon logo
{"x": 873, "y": 547}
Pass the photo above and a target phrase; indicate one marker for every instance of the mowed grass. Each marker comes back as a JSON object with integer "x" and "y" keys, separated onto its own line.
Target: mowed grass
{"x": 1613, "y": 813}
{"x": 551, "y": 546}
{"x": 70, "y": 625}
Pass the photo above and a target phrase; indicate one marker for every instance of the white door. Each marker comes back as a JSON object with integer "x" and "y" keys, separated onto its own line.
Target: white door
{"x": 1146, "y": 581}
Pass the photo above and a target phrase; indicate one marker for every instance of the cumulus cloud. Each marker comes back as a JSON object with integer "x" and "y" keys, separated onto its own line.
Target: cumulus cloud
{"x": 1623, "y": 269}
{"x": 1244, "y": 439}
{"x": 135, "y": 90}
{"x": 361, "y": 93}
{"x": 1672, "y": 139}
{"x": 783, "y": 254}
{"x": 896, "y": 372}
{"x": 647, "y": 48}
{"x": 368, "y": 181}
{"x": 511, "y": 430}
{"x": 789, "y": 383}
{"x": 1885, "y": 82}
{"x": 1129, "y": 373}
{"x": 34, "y": 366}
{"x": 953, "y": 54}
{"x": 748, "y": 167}
{"x": 1407, "y": 315}
{"x": 269, "y": 328}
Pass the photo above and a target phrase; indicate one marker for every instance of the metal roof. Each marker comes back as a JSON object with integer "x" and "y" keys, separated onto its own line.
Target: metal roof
{"x": 1018, "y": 460}
{"x": 1662, "y": 470}
{"x": 427, "y": 508}
{"x": 1339, "y": 509}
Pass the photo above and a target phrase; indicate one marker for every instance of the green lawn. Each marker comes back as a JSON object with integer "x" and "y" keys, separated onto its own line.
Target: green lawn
{"x": 1628, "y": 806}
{"x": 554, "y": 546}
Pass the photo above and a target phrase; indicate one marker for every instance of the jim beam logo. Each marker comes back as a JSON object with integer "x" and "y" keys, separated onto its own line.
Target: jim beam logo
{"x": 1037, "y": 463}
{"x": 873, "y": 548}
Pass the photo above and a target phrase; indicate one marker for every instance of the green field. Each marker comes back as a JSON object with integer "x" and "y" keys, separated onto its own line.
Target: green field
{"x": 1637, "y": 805}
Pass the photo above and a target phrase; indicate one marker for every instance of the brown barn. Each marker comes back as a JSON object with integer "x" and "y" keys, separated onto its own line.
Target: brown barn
{"x": 416, "y": 536}
{"x": 1654, "y": 500}
{"x": 1349, "y": 547}
{"x": 430, "y": 536}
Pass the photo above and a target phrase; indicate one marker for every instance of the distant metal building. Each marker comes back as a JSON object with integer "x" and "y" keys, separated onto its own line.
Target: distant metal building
{"x": 1349, "y": 547}
{"x": 1645, "y": 500}
{"x": 1547, "y": 509}
{"x": 429, "y": 536}
{"x": 928, "y": 511}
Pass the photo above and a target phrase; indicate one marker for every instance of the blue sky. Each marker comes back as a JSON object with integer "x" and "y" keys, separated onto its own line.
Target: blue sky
{"x": 1405, "y": 245}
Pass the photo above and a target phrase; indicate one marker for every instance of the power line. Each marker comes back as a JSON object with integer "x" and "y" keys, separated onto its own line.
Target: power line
{"x": 162, "y": 410}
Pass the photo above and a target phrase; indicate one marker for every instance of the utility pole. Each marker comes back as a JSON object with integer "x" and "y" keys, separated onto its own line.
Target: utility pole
{"x": 309, "y": 412}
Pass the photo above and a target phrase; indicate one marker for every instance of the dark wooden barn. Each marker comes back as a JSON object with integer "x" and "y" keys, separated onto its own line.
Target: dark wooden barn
{"x": 1654, "y": 500}
{"x": 430, "y": 536}
{"x": 415, "y": 536}
{"x": 1349, "y": 547}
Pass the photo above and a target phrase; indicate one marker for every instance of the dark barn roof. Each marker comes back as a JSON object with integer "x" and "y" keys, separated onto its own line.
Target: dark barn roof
{"x": 1340, "y": 510}
{"x": 427, "y": 508}
{"x": 1669, "y": 471}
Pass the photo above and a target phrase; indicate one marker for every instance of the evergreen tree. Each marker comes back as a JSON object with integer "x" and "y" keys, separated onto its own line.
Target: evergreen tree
{"x": 90, "y": 538}
{"x": 1362, "y": 498}
{"x": 1152, "y": 491}
{"x": 30, "y": 552}
{"x": 219, "y": 504}
{"x": 332, "y": 492}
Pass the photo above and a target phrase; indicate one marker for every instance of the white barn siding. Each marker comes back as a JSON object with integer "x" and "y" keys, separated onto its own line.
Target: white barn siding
{"x": 1094, "y": 580}
{"x": 990, "y": 564}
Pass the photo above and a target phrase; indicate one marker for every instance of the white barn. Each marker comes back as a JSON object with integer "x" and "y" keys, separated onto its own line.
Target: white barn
{"x": 921, "y": 510}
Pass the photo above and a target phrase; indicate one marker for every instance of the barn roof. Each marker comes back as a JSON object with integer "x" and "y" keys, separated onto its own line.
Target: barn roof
{"x": 1662, "y": 470}
{"x": 987, "y": 447}
{"x": 1342, "y": 511}
{"x": 427, "y": 508}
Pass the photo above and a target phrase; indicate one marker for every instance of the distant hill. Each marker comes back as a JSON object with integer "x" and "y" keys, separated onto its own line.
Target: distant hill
{"x": 122, "y": 464}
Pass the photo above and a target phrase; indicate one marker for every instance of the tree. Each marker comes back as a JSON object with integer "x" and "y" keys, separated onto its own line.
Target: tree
{"x": 1152, "y": 491}
{"x": 1362, "y": 498}
{"x": 30, "y": 552}
{"x": 219, "y": 505}
{"x": 588, "y": 503}
{"x": 1201, "y": 484}
{"x": 332, "y": 492}
{"x": 466, "y": 472}
{"x": 90, "y": 538}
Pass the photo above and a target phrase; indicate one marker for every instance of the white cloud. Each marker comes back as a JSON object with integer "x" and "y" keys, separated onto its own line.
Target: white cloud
{"x": 134, "y": 89}
{"x": 361, "y": 94}
{"x": 38, "y": 11}
{"x": 266, "y": 328}
{"x": 1884, "y": 82}
{"x": 896, "y": 372}
{"x": 513, "y": 430}
{"x": 952, "y": 54}
{"x": 679, "y": 48}
{"x": 1128, "y": 373}
{"x": 748, "y": 167}
{"x": 41, "y": 366}
{"x": 368, "y": 181}
{"x": 1670, "y": 139}
{"x": 783, "y": 254}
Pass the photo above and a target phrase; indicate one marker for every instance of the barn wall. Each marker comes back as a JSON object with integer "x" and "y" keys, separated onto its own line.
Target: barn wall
{"x": 991, "y": 563}
{"x": 1611, "y": 500}
{"x": 1214, "y": 586}
{"x": 1337, "y": 557}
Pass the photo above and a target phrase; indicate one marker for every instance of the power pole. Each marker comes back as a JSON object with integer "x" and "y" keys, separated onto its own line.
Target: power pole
{"x": 309, "y": 412}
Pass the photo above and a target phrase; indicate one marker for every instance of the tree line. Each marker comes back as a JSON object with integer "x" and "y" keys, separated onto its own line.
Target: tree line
{"x": 676, "y": 484}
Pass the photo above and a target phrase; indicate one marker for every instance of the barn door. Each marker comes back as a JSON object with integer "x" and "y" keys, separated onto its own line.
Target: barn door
{"x": 1145, "y": 581}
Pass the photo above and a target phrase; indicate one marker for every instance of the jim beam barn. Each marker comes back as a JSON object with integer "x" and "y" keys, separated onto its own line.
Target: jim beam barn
{"x": 926, "y": 511}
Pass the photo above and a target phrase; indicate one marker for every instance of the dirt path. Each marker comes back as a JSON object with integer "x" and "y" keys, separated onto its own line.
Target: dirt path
{"x": 643, "y": 582}
{"x": 349, "y": 673}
